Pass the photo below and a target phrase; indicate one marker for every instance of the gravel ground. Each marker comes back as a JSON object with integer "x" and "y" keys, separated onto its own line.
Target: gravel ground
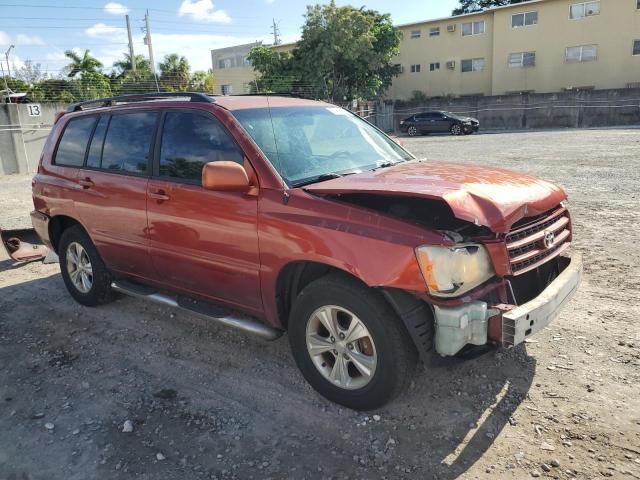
{"x": 199, "y": 401}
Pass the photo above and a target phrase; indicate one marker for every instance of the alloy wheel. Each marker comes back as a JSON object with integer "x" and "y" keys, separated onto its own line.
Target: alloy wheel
{"x": 79, "y": 267}
{"x": 412, "y": 131}
{"x": 456, "y": 130}
{"x": 341, "y": 347}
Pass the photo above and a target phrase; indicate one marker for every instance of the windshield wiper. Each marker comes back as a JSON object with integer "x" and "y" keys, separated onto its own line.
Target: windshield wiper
{"x": 319, "y": 178}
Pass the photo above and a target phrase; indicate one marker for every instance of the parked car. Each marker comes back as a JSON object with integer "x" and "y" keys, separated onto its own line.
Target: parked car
{"x": 274, "y": 214}
{"x": 439, "y": 122}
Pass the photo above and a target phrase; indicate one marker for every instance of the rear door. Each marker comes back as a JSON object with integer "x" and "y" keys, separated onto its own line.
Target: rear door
{"x": 202, "y": 241}
{"x": 113, "y": 198}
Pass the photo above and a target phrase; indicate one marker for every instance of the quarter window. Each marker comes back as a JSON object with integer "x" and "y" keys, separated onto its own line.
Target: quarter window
{"x": 522, "y": 60}
{"x": 191, "y": 140}
{"x": 415, "y": 68}
{"x": 585, "y": 9}
{"x": 473, "y": 28}
{"x": 583, "y": 53}
{"x": 73, "y": 144}
{"x": 473, "y": 65}
{"x": 434, "y": 66}
{"x": 434, "y": 32}
{"x": 128, "y": 142}
{"x": 524, "y": 19}
{"x": 415, "y": 33}
{"x": 636, "y": 45}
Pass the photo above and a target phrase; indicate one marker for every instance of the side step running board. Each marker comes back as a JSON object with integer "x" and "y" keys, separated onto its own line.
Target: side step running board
{"x": 200, "y": 309}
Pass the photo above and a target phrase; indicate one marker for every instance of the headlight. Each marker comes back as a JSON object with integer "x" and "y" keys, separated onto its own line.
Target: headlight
{"x": 452, "y": 271}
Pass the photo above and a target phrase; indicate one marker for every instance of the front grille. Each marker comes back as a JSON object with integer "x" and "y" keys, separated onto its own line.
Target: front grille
{"x": 529, "y": 244}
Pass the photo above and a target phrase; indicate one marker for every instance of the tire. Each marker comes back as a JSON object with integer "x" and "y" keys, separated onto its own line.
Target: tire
{"x": 387, "y": 343}
{"x": 76, "y": 244}
{"x": 456, "y": 129}
{"x": 412, "y": 131}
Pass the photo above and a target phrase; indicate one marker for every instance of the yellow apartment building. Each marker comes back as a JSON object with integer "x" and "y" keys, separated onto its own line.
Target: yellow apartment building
{"x": 536, "y": 46}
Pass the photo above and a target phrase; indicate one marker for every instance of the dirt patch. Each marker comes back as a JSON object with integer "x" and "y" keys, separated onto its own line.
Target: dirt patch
{"x": 563, "y": 406}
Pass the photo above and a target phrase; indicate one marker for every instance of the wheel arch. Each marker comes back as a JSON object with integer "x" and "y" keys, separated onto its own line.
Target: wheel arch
{"x": 57, "y": 225}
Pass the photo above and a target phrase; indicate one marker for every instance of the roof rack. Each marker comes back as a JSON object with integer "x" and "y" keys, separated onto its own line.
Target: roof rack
{"x": 143, "y": 97}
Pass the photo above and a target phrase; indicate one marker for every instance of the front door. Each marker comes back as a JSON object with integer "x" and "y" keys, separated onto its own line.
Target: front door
{"x": 112, "y": 200}
{"x": 202, "y": 241}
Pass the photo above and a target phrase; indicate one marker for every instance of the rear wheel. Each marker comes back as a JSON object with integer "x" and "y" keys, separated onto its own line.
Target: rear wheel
{"x": 456, "y": 129}
{"x": 84, "y": 274}
{"x": 412, "y": 131}
{"x": 349, "y": 344}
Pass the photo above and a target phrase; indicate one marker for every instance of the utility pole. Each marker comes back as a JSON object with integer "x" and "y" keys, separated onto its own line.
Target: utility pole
{"x": 276, "y": 33}
{"x": 6, "y": 55}
{"x": 131, "y": 54}
{"x": 147, "y": 41}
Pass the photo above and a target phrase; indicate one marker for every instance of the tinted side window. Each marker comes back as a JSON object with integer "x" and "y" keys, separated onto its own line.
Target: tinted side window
{"x": 73, "y": 144}
{"x": 128, "y": 142}
{"x": 189, "y": 140}
{"x": 95, "y": 149}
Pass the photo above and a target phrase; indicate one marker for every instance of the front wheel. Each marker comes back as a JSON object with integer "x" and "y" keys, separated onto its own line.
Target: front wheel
{"x": 412, "y": 131}
{"x": 349, "y": 344}
{"x": 456, "y": 129}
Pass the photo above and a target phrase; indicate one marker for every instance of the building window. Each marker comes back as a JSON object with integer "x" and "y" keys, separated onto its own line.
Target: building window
{"x": 473, "y": 65}
{"x": 435, "y": 32}
{"x": 582, "y": 53}
{"x": 415, "y": 33}
{"x": 636, "y": 45}
{"x": 472, "y": 28}
{"x": 415, "y": 68}
{"x": 434, "y": 66}
{"x": 524, "y": 19}
{"x": 227, "y": 89}
{"x": 522, "y": 60}
{"x": 585, "y": 9}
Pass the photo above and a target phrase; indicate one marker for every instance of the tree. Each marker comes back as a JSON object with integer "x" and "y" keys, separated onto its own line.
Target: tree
{"x": 91, "y": 85}
{"x": 202, "y": 81}
{"x": 344, "y": 53}
{"x": 174, "y": 74}
{"x": 125, "y": 65}
{"x": 470, "y": 6}
{"x": 30, "y": 72}
{"x": 81, "y": 64}
{"x": 277, "y": 72}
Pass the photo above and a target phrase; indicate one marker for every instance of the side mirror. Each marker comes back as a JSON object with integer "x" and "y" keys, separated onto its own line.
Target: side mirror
{"x": 225, "y": 176}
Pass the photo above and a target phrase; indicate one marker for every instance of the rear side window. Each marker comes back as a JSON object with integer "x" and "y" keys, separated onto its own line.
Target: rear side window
{"x": 95, "y": 150}
{"x": 189, "y": 141}
{"x": 128, "y": 142}
{"x": 73, "y": 144}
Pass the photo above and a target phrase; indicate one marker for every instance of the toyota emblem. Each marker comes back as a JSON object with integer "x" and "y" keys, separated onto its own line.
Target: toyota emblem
{"x": 549, "y": 239}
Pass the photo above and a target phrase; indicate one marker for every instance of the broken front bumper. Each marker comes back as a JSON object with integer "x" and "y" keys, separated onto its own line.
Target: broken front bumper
{"x": 531, "y": 317}
{"x": 468, "y": 324}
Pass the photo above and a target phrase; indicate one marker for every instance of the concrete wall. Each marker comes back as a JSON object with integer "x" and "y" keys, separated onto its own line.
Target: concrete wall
{"x": 22, "y": 136}
{"x": 597, "y": 108}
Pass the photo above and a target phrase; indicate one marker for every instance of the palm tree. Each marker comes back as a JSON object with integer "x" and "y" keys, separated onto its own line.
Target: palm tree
{"x": 124, "y": 65}
{"x": 174, "y": 72}
{"x": 81, "y": 64}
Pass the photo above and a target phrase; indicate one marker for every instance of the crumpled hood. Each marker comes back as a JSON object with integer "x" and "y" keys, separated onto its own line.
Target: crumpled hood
{"x": 491, "y": 197}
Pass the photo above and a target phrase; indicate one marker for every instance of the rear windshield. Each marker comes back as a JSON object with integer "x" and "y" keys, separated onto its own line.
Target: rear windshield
{"x": 308, "y": 143}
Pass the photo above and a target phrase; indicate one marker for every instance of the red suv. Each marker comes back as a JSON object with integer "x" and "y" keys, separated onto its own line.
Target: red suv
{"x": 274, "y": 214}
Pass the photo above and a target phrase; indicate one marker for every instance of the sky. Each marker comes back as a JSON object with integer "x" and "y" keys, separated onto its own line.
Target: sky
{"x": 42, "y": 30}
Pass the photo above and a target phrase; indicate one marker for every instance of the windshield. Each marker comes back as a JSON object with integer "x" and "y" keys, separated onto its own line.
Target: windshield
{"x": 308, "y": 144}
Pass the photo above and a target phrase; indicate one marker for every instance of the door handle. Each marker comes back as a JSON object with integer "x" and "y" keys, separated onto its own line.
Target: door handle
{"x": 85, "y": 182}
{"x": 159, "y": 195}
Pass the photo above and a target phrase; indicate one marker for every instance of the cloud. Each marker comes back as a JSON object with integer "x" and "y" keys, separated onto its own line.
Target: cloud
{"x": 101, "y": 29}
{"x": 24, "y": 40}
{"x": 114, "y": 8}
{"x": 20, "y": 40}
{"x": 203, "y": 10}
